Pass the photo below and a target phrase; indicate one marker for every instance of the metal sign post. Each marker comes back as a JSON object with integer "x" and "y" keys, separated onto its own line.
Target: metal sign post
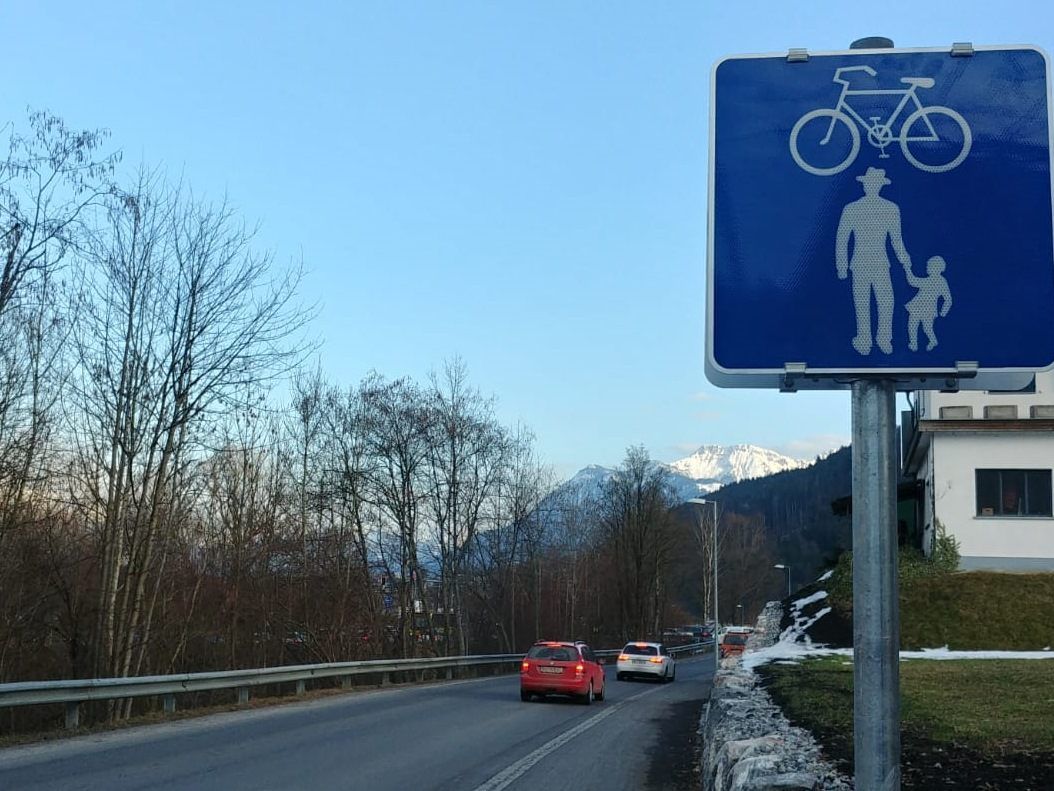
{"x": 876, "y": 621}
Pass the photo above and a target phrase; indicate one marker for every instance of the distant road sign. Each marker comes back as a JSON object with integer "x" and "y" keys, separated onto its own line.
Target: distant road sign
{"x": 880, "y": 212}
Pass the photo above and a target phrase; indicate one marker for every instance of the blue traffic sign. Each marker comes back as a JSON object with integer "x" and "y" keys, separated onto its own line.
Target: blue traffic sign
{"x": 880, "y": 212}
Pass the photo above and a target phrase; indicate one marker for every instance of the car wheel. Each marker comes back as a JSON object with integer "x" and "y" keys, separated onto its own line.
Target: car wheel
{"x": 588, "y": 697}
{"x": 600, "y": 695}
{"x": 525, "y": 696}
{"x": 620, "y": 676}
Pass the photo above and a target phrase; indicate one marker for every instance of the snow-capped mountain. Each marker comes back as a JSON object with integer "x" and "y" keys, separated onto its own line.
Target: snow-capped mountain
{"x": 734, "y": 463}
{"x": 709, "y": 468}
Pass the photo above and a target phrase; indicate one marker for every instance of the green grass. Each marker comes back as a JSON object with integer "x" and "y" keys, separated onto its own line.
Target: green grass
{"x": 992, "y": 706}
{"x": 970, "y": 611}
{"x": 978, "y": 610}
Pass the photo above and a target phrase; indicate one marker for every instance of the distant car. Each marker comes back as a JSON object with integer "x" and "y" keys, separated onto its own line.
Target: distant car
{"x": 554, "y": 667}
{"x": 733, "y": 643}
{"x": 645, "y": 660}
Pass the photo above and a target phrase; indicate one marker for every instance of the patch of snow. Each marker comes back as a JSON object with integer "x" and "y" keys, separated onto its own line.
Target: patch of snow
{"x": 799, "y": 629}
{"x": 825, "y": 576}
{"x": 791, "y": 653}
{"x": 797, "y": 604}
{"x": 785, "y": 652}
{"x": 945, "y": 653}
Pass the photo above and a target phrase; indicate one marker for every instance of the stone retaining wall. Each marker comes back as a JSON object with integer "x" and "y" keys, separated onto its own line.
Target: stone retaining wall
{"x": 748, "y": 745}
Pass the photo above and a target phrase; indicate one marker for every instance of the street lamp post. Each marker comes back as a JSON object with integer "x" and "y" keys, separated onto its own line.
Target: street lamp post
{"x": 717, "y": 623}
{"x": 739, "y": 614}
{"x": 788, "y": 570}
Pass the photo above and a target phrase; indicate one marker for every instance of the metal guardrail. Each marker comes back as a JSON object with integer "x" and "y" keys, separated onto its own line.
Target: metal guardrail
{"x": 76, "y": 691}
{"x": 691, "y": 648}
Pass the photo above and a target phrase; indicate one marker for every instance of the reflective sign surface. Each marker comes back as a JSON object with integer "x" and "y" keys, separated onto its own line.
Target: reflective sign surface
{"x": 881, "y": 211}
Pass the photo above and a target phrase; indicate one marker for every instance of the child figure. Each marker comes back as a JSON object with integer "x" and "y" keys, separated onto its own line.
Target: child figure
{"x": 922, "y": 308}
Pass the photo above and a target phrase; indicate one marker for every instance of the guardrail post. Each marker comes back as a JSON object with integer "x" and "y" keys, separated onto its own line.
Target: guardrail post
{"x": 169, "y": 702}
{"x": 345, "y": 682}
{"x": 449, "y": 673}
{"x": 301, "y": 687}
{"x": 243, "y": 694}
{"x": 73, "y": 715}
{"x": 386, "y": 679}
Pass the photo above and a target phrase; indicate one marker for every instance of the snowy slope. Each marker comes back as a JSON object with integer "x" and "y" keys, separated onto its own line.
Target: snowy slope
{"x": 734, "y": 463}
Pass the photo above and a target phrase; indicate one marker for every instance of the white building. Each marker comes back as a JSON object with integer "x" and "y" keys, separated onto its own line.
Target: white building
{"x": 983, "y": 460}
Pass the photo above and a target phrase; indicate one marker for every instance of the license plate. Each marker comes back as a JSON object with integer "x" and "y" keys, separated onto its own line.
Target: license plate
{"x": 551, "y": 669}
{"x": 641, "y": 661}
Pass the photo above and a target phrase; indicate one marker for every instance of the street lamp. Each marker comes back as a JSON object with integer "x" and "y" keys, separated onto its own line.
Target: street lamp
{"x": 739, "y": 614}
{"x": 717, "y": 623}
{"x": 788, "y": 570}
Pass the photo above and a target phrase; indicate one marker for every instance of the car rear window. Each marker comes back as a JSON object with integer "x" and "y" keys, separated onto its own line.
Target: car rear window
{"x": 736, "y": 639}
{"x": 557, "y": 653}
{"x": 640, "y": 650}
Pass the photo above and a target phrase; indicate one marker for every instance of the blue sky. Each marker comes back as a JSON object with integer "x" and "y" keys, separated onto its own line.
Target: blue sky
{"x": 520, "y": 184}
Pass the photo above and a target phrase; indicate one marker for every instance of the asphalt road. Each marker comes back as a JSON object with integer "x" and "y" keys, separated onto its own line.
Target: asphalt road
{"x": 466, "y": 735}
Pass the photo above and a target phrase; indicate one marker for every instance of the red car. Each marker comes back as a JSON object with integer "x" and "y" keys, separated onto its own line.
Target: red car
{"x": 733, "y": 644}
{"x": 560, "y": 668}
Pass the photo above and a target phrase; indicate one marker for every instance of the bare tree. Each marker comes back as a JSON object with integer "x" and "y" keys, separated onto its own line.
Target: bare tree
{"x": 397, "y": 428}
{"x": 635, "y": 513}
{"x": 241, "y": 504}
{"x": 507, "y": 556}
{"x": 347, "y": 470}
{"x": 49, "y": 178}
{"x": 466, "y": 450}
{"x": 180, "y": 316}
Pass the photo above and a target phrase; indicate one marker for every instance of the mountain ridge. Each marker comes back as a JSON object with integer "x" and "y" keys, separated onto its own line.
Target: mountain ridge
{"x": 706, "y": 470}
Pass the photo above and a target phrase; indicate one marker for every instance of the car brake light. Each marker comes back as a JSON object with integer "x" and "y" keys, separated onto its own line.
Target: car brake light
{"x": 623, "y": 657}
{"x": 656, "y": 659}
{"x": 525, "y": 666}
{"x": 580, "y": 668}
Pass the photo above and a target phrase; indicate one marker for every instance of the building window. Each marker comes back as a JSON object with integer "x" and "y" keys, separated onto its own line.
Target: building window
{"x": 1001, "y": 412}
{"x": 1014, "y": 493}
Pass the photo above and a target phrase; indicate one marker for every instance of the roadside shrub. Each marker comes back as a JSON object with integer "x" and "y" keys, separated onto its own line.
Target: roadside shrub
{"x": 912, "y": 565}
{"x": 945, "y": 555}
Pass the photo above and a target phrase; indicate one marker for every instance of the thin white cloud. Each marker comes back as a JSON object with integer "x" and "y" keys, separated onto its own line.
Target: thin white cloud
{"x": 703, "y": 395}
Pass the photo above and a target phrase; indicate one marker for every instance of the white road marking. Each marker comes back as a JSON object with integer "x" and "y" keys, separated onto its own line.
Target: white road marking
{"x": 515, "y": 771}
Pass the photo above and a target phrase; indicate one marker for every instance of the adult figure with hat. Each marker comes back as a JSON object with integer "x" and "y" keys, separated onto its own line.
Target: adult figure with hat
{"x": 870, "y": 221}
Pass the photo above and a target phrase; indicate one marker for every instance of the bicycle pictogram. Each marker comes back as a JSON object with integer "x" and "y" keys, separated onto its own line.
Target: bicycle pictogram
{"x": 919, "y": 130}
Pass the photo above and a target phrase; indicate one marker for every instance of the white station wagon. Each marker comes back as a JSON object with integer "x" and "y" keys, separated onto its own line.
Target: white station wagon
{"x": 646, "y": 660}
